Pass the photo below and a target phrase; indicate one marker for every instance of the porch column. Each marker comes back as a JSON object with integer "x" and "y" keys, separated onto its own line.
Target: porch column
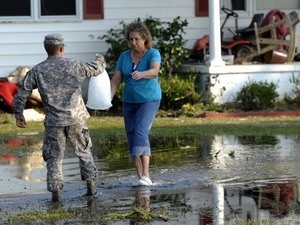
{"x": 215, "y": 34}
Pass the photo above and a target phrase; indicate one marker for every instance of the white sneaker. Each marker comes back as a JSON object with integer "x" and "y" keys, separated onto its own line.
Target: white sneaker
{"x": 144, "y": 181}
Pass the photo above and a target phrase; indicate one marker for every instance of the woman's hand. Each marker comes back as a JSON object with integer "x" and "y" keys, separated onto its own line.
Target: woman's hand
{"x": 136, "y": 75}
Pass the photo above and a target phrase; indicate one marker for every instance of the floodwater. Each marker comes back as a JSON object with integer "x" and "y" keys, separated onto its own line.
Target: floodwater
{"x": 215, "y": 180}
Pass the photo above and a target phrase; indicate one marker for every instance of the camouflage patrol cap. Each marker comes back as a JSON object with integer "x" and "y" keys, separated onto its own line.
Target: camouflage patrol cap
{"x": 54, "y": 39}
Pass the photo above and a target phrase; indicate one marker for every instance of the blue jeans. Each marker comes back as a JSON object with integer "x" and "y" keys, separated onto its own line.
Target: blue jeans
{"x": 138, "y": 118}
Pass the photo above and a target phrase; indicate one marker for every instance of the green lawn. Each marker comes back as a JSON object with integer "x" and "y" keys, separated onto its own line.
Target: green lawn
{"x": 177, "y": 126}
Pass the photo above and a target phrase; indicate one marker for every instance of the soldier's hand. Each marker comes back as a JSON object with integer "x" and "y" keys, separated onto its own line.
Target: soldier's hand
{"x": 21, "y": 123}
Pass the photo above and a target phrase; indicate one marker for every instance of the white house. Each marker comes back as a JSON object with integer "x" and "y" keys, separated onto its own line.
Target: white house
{"x": 23, "y": 25}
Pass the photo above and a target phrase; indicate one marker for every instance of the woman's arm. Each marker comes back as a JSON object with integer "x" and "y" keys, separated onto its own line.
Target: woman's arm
{"x": 115, "y": 82}
{"x": 147, "y": 74}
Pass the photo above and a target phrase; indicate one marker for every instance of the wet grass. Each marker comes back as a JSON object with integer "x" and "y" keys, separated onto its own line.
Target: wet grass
{"x": 138, "y": 215}
{"x": 29, "y": 218}
{"x": 94, "y": 216}
{"x": 177, "y": 126}
{"x": 105, "y": 216}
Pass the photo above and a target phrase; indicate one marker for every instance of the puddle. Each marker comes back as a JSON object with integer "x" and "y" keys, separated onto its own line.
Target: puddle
{"x": 213, "y": 180}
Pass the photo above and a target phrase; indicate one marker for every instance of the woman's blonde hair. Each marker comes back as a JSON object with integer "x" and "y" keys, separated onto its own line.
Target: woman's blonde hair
{"x": 142, "y": 30}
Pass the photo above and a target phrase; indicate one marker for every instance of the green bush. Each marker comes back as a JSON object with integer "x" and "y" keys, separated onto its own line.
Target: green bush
{"x": 294, "y": 97}
{"x": 257, "y": 96}
{"x": 200, "y": 109}
{"x": 115, "y": 38}
{"x": 178, "y": 91}
{"x": 168, "y": 39}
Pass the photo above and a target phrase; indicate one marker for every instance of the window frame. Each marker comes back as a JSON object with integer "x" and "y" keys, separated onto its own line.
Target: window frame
{"x": 35, "y": 15}
{"x": 39, "y": 17}
{"x": 201, "y": 5}
{"x": 264, "y": 10}
{"x": 18, "y": 18}
{"x": 242, "y": 13}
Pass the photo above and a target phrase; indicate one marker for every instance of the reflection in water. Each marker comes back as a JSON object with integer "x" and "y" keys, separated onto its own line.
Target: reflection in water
{"x": 265, "y": 201}
{"x": 142, "y": 201}
{"x": 259, "y": 181}
{"x": 142, "y": 197}
{"x": 274, "y": 158}
{"x": 23, "y": 168}
{"x": 28, "y": 165}
{"x": 264, "y": 140}
{"x": 7, "y": 159}
{"x": 218, "y": 204}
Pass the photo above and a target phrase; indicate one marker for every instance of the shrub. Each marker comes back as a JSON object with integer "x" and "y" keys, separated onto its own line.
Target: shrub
{"x": 170, "y": 42}
{"x": 257, "y": 96}
{"x": 177, "y": 91}
{"x": 115, "y": 38}
{"x": 200, "y": 109}
{"x": 294, "y": 97}
{"x": 168, "y": 39}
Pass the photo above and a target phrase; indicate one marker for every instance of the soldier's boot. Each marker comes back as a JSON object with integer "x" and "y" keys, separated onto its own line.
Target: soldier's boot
{"x": 56, "y": 196}
{"x": 91, "y": 188}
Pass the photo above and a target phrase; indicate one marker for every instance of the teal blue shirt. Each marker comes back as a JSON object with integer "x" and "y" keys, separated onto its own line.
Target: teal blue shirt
{"x": 142, "y": 90}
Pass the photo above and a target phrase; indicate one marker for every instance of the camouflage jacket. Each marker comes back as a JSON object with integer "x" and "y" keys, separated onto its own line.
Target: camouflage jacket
{"x": 58, "y": 80}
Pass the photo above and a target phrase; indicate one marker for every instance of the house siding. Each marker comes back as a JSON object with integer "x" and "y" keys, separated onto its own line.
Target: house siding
{"x": 21, "y": 42}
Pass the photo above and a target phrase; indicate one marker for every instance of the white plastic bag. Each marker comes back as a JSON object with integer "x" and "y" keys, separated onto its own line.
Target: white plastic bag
{"x": 99, "y": 93}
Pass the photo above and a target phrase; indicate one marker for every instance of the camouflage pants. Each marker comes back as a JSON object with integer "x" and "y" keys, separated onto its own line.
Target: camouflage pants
{"x": 53, "y": 153}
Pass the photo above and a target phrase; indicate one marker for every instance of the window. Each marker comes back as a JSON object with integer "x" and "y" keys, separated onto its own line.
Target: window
{"x": 236, "y": 5}
{"x": 277, "y": 4}
{"x": 10, "y": 8}
{"x": 58, "y": 8}
{"x": 40, "y": 10}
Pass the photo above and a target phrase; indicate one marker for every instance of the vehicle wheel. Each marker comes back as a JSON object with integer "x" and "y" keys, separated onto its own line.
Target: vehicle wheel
{"x": 284, "y": 35}
{"x": 242, "y": 54}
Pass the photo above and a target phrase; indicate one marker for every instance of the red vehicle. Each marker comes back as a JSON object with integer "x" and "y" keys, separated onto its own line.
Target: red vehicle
{"x": 267, "y": 39}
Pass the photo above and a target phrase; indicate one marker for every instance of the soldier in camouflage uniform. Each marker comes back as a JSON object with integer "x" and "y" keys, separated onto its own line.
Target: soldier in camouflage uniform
{"x": 58, "y": 80}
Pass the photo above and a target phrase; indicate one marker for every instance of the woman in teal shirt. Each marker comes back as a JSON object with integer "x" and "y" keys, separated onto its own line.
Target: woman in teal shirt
{"x": 138, "y": 67}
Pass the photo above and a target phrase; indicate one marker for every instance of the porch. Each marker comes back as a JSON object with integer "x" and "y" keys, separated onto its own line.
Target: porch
{"x": 221, "y": 83}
